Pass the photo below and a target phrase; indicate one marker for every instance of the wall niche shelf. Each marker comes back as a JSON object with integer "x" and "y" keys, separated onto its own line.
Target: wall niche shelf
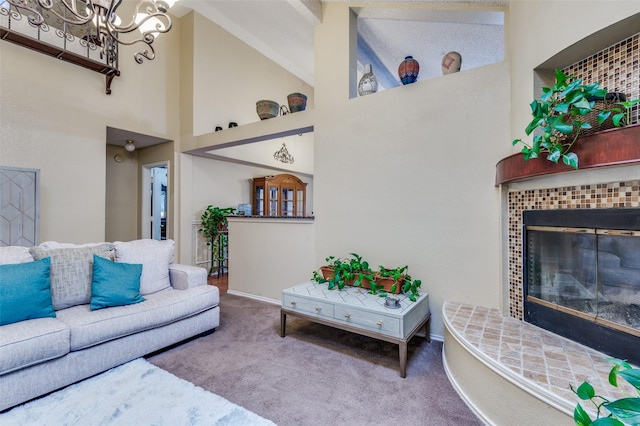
{"x": 277, "y": 127}
{"x": 613, "y": 147}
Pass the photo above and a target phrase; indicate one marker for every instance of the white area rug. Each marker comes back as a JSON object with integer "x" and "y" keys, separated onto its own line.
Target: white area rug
{"x": 136, "y": 393}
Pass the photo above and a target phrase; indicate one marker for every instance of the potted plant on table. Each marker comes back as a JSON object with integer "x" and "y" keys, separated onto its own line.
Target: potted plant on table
{"x": 339, "y": 272}
{"x": 356, "y": 272}
{"x": 400, "y": 279}
{"x": 213, "y": 223}
{"x": 567, "y": 110}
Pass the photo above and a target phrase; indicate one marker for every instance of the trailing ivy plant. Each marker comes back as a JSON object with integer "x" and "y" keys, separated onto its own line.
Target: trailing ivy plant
{"x": 346, "y": 270}
{"x": 559, "y": 116}
{"x": 400, "y": 275}
{"x": 354, "y": 270}
{"x": 624, "y": 411}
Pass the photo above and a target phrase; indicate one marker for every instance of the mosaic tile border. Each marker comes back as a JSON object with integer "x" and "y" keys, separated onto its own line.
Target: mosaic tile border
{"x": 595, "y": 196}
{"x": 616, "y": 67}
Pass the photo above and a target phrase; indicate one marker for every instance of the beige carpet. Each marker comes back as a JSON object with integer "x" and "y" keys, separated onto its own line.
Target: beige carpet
{"x": 316, "y": 375}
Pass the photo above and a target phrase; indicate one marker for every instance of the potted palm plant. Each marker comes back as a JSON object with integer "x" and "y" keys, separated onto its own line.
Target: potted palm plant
{"x": 213, "y": 223}
{"x": 565, "y": 112}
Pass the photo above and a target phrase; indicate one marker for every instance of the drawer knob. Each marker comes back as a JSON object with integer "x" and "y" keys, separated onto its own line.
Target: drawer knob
{"x": 318, "y": 308}
{"x": 347, "y": 315}
{"x": 379, "y": 323}
{"x": 293, "y": 302}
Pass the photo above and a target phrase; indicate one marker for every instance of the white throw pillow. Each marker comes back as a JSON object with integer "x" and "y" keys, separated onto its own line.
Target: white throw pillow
{"x": 14, "y": 254}
{"x": 155, "y": 257}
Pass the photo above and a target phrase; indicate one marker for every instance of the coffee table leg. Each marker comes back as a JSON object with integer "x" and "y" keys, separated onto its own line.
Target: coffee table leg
{"x": 403, "y": 358}
{"x": 283, "y": 323}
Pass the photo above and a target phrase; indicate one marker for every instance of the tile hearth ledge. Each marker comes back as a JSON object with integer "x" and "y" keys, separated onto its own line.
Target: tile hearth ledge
{"x": 491, "y": 358}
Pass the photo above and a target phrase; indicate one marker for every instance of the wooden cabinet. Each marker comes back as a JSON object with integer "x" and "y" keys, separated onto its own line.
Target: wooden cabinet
{"x": 279, "y": 195}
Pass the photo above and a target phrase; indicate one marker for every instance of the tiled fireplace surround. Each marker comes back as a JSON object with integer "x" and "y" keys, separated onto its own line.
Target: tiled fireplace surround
{"x": 547, "y": 362}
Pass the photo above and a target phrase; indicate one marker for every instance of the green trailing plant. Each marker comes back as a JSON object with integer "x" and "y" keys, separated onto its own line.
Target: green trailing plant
{"x": 623, "y": 411}
{"x": 212, "y": 222}
{"x": 400, "y": 275}
{"x": 355, "y": 270}
{"x": 350, "y": 271}
{"x": 559, "y": 117}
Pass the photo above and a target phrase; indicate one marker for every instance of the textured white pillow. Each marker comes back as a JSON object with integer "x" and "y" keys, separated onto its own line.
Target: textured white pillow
{"x": 71, "y": 272}
{"x": 155, "y": 257}
{"x": 14, "y": 254}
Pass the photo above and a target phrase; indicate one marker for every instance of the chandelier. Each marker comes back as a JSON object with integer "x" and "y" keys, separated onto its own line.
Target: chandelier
{"x": 99, "y": 22}
{"x": 283, "y": 155}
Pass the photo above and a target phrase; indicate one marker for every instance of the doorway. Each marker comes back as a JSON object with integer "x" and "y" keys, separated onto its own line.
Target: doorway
{"x": 155, "y": 195}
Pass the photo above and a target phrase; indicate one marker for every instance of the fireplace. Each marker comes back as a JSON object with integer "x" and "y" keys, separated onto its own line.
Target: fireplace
{"x": 581, "y": 276}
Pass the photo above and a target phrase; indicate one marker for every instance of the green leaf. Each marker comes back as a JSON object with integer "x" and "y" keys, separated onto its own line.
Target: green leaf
{"x": 570, "y": 159}
{"x": 581, "y": 417}
{"x": 585, "y": 391}
{"x": 613, "y": 375}
{"x": 515, "y": 142}
{"x": 583, "y": 104}
{"x": 562, "y": 108}
{"x": 626, "y": 409}
{"x": 558, "y": 124}
{"x": 561, "y": 77}
{"x": 618, "y": 119}
{"x": 632, "y": 376}
{"x": 554, "y": 156}
{"x": 602, "y": 116}
{"x": 607, "y": 421}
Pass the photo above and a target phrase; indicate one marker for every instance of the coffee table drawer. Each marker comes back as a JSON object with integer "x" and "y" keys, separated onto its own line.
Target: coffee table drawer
{"x": 300, "y": 304}
{"x": 369, "y": 320}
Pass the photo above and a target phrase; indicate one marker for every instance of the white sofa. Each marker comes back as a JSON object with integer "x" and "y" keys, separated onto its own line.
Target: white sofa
{"x": 82, "y": 338}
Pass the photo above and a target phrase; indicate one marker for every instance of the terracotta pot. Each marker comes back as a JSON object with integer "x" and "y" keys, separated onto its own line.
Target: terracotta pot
{"x": 328, "y": 273}
{"x": 267, "y": 109}
{"x": 387, "y": 283}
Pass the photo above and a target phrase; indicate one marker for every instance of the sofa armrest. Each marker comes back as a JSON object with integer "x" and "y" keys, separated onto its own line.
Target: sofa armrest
{"x": 186, "y": 276}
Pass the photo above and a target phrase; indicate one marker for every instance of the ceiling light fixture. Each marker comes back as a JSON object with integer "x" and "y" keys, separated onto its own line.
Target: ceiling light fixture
{"x": 283, "y": 155}
{"x": 129, "y": 145}
{"x": 101, "y": 23}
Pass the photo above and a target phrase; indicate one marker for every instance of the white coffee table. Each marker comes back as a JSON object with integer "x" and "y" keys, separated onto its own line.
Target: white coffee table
{"x": 353, "y": 309}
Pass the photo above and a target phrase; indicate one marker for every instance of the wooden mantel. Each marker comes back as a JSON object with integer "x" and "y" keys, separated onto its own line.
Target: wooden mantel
{"x": 611, "y": 147}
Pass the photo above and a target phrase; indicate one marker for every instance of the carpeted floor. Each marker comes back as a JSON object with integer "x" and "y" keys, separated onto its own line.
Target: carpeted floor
{"x": 316, "y": 375}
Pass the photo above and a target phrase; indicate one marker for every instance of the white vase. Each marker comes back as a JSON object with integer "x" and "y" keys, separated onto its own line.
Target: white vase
{"x": 451, "y": 62}
{"x": 368, "y": 83}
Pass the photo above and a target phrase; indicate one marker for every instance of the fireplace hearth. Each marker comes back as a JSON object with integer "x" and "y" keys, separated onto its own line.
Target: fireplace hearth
{"x": 582, "y": 276}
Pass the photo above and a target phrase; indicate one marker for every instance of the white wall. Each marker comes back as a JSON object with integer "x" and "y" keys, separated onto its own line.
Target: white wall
{"x": 267, "y": 256}
{"x": 406, "y": 176}
{"x": 54, "y": 115}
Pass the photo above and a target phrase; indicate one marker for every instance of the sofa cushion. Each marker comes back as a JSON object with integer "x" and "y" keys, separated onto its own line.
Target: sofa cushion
{"x": 25, "y": 291}
{"x": 89, "y": 328}
{"x": 114, "y": 284}
{"x": 31, "y": 342}
{"x": 155, "y": 257}
{"x": 14, "y": 254}
{"x": 71, "y": 270}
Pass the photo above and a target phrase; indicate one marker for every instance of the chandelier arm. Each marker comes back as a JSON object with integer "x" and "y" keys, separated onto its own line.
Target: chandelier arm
{"x": 35, "y": 17}
{"x": 77, "y": 18}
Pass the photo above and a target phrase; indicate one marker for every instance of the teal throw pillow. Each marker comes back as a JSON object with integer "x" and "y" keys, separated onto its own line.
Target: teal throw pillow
{"x": 114, "y": 283}
{"x": 25, "y": 291}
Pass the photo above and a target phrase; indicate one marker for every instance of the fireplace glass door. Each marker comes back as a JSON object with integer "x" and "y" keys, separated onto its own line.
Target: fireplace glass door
{"x": 593, "y": 274}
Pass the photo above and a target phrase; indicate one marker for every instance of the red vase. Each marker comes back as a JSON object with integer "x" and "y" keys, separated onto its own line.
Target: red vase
{"x": 408, "y": 70}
